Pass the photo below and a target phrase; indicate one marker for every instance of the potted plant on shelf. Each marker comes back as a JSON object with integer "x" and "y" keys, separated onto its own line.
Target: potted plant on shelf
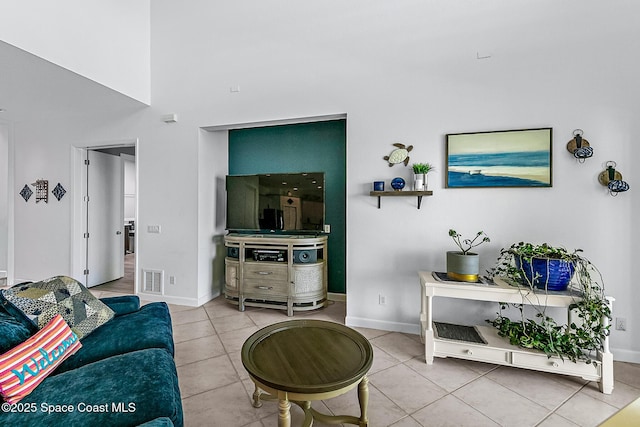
{"x": 543, "y": 269}
{"x": 464, "y": 265}
{"x": 541, "y": 266}
{"x": 420, "y": 171}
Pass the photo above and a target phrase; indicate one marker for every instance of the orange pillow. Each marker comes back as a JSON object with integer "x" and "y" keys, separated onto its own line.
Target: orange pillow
{"x": 25, "y": 366}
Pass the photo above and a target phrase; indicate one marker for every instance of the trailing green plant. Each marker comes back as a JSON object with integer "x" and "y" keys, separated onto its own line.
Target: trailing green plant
{"x": 422, "y": 167}
{"x": 467, "y": 244}
{"x": 506, "y": 266}
{"x": 577, "y": 340}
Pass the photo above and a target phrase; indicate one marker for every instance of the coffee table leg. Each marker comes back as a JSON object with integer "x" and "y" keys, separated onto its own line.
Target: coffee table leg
{"x": 363, "y": 399}
{"x": 256, "y": 398}
{"x": 284, "y": 414}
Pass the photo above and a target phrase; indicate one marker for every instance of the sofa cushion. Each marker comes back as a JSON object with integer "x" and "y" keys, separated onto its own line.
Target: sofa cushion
{"x": 150, "y": 327}
{"x": 125, "y": 390}
{"x": 123, "y": 304}
{"x": 39, "y": 302}
{"x": 158, "y": 422}
{"x": 25, "y": 366}
{"x": 12, "y": 332}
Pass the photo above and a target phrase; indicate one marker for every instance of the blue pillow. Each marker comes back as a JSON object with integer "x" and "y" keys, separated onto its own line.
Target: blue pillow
{"x": 12, "y": 332}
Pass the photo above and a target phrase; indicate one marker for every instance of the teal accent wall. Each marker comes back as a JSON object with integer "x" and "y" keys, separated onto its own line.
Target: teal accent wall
{"x": 306, "y": 147}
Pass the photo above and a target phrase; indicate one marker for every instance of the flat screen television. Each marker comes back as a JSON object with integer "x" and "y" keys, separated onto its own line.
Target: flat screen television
{"x": 288, "y": 203}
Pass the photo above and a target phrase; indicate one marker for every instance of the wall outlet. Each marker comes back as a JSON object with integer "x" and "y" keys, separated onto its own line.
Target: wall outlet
{"x": 382, "y": 300}
{"x": 153, "y": 229}
{"x": 327, "y": 228}
{"x": 621, "y": 324}
{"x": 172, "y": 280}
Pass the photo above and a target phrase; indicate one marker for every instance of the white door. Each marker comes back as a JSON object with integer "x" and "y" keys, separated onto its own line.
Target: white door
{"x": 105, "y": 218}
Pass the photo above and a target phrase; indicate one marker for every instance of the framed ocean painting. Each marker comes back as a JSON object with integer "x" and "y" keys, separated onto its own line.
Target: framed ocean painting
{"x": 506, "y": 158}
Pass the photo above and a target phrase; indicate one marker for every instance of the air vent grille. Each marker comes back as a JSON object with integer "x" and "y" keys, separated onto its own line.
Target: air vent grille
{"x": 153, "y": 281}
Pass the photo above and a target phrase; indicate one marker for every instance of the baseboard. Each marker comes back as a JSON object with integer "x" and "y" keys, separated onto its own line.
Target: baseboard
{"x": 189, "y": 302}
{"x": 205, "y": 299}
{"x": 359, "y": 322}
{"x": 334, "y": 296}
{"x": 620, "y": 355}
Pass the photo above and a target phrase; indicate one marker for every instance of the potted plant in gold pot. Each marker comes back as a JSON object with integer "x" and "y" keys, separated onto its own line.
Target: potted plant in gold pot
{"x": 464, "y": 265}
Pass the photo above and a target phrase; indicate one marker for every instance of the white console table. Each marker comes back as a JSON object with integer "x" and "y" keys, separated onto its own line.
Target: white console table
{"x": 498, "y": 350}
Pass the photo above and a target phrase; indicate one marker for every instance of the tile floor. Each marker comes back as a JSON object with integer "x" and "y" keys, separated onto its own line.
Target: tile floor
{"x": 404, "y": 391}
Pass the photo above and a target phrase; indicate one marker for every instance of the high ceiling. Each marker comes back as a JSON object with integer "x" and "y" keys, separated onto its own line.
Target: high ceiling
{"x": 410, "y": 35}
{"x": 33, "y": 89}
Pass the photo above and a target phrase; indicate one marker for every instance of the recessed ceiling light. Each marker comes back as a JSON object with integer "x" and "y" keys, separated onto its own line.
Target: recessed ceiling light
{"x": 2, "y": 110}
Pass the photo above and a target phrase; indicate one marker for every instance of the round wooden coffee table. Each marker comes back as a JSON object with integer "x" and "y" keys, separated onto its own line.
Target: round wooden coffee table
{"x": 304, "y": 360}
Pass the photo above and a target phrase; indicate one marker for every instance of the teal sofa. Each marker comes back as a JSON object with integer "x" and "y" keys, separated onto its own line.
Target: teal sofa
{"x": 124, "y": 374}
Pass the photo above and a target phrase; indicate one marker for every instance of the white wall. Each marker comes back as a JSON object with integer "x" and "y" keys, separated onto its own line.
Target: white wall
{"x": 96, "y": 39}
{"x": 408, "y": 72}
{"x": 212, "y": 168}
{"x": 402, "y": 71}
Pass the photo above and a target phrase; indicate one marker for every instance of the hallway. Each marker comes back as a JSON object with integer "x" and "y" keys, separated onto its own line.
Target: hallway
{"x": 124, "y": 285}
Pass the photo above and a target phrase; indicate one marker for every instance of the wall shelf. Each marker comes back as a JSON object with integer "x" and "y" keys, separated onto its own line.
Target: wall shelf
{"x": 401, "y": 193}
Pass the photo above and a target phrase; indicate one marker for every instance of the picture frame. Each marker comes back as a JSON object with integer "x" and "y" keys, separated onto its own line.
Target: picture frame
{"x": 503, "y": 158}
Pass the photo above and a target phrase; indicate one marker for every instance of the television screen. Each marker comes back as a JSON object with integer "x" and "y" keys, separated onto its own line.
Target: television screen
{"x": 276, "y": 202}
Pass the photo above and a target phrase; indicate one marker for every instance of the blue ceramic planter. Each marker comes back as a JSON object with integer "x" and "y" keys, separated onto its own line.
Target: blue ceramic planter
{"x": 554, "y": 274}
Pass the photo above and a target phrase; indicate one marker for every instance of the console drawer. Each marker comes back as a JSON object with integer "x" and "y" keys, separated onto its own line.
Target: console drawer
{"x": 265, "y": 289}
{"x": 265, "y": 272}
{"x": 472, "y": 352}
{"x": 556, "y": 365}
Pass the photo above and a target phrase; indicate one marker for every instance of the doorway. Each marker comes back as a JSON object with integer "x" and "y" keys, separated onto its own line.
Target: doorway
{"x": 124, "y": 284}
{"x": 313, "y": 146}
{"x": 105, "y": 208}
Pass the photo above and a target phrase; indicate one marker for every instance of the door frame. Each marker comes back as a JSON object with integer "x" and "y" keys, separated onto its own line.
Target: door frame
{"x": 10, "y": 191}
{"x": 78, "y": 245}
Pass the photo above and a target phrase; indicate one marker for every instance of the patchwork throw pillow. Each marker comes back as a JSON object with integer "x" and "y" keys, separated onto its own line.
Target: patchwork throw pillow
{"x": 25, "y": 366}
{"x": 39, "y": 302}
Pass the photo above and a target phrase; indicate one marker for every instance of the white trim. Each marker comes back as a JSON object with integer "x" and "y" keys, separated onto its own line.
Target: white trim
{"x": 206, "y": 298}
{"x": 631, "y": 356}
{"x": 277, "y": 122}
{"x": 188, "y": 302}
{"x": 334, "y": 296}
{"x": 382, "y": 325}
{"x": 77, "y": 247}
{"x": 11, "y": 196}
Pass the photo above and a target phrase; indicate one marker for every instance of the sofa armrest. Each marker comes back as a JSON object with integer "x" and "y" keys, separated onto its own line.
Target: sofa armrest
{"x": 158, "y": 422}
{"x": 123, "y": 304}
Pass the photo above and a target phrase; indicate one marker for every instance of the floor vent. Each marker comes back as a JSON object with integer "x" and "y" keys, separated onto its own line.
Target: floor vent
{"x": 153, "y": 281}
